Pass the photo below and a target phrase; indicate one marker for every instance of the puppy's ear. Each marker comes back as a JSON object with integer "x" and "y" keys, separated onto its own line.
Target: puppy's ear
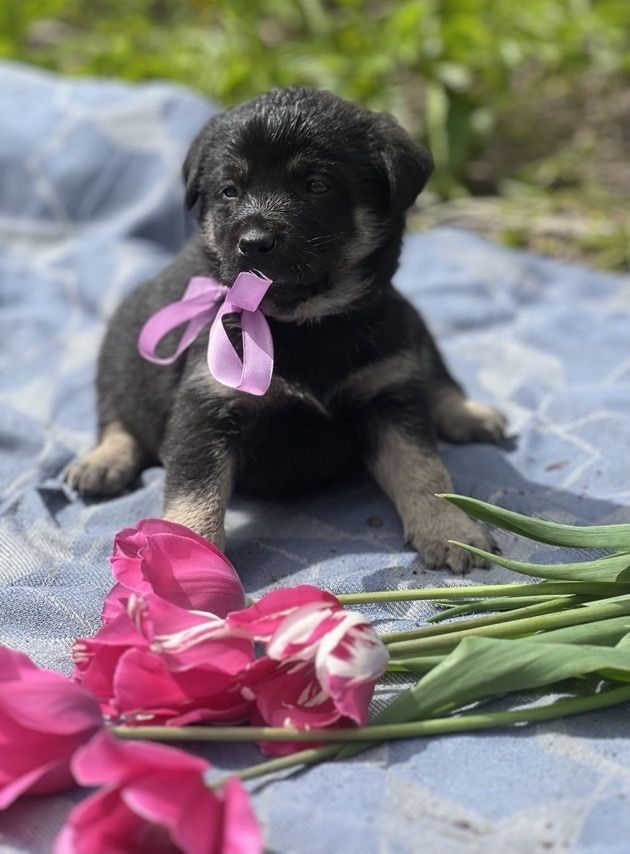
{"x": 407, "y": 165}
{"x": 191, "y": 170}
{"x": 194, "y": 162}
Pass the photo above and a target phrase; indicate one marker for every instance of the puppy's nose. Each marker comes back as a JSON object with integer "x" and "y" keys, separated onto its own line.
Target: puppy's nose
{"x": 256, "y": 241}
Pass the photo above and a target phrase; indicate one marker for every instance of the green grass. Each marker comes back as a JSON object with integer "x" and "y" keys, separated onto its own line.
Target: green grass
{"x": 505, "y": 94}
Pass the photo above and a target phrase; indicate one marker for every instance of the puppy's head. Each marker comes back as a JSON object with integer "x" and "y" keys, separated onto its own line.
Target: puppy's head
{"x": 309, "y": 189}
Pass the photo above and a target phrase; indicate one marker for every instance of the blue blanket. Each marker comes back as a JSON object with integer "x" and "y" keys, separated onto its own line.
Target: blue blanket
{"x": 90, "y": 205}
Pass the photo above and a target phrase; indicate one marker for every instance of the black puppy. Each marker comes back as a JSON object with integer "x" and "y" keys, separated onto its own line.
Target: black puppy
{"x": 311, "y": 191}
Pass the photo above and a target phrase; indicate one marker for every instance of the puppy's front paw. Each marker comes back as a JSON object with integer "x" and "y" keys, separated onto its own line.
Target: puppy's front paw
{"x": 94, "y": 476}
{"x": 431, "y": 528}
{"x": 109, "y": 467}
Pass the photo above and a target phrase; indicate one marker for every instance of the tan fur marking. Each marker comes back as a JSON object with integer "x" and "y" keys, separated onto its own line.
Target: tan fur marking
{"x": 410, "y": 477}
{"x": 109, "y": 467}
{"x": 407, "y": 475}
{"x": 205, "y": 513}
{"x": 115, "y": 443}
{"x": 348, "y": 288}
{"x": 368, "y": 234}
{"x": 207, "y": 227}
{"x": 370, "y": 380}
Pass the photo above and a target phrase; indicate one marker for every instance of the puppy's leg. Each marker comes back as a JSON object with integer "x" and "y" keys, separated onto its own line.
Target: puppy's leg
{"x": 201, "y": 504}
{"x": 455, "y": 417}
{"x": 402, "y": 458}
{"x": 111, "y": 466}
{"x": 199, "y": 459}
{"x": 459, "y": 419}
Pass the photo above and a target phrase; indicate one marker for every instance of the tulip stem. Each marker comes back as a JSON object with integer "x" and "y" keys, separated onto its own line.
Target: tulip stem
{"x": 433, "y": 630}
{"x": 559, "y": 588}
{"x": 414, "y": 665}
{"x": 437, "y": 726}
{"x": 580, "y": 615}
{"x": 307, "y": 757}
{"x": 377, "y": 732}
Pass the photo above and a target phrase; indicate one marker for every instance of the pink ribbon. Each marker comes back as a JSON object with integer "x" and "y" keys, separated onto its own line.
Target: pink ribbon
{"x": 201, "y": 304}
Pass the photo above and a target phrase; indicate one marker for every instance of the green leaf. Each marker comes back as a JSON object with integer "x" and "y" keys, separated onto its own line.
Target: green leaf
{"x": 553, "y": 533}
{"x": 479, "y": 606}
{"x": 610, "y": 568}
{"x": 537, "y": 608}
{"x": 588, "y": 613}
{"x": 481, "y": 668}
{"x": 603, "y": 632}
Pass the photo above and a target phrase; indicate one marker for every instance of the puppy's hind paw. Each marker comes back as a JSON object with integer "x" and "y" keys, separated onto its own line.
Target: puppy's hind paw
{"x": 459, "y": 419}
{"x": 486, "y": 423}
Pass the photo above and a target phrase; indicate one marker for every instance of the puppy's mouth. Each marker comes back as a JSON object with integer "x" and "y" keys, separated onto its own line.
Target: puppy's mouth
{"x": 292, "y": 284}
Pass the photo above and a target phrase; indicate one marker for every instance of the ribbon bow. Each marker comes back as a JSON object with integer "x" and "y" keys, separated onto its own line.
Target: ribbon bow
{"x": 201, "y": 304}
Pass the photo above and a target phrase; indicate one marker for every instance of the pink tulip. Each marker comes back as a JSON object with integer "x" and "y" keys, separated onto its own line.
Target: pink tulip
{"x": 321, "y": 662}
{"x": 174, "y": 563}
{"x": 263, "y": 618}
{"x": 154, "y": 800}
{"x": 44, "y": 718}
{"x": 164, "y": 664}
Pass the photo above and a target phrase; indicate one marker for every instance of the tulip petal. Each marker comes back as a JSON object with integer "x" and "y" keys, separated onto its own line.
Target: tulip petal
{"x": 115, "y": 603}
{"x": 15, "y": 665}
{"x": 178, "y": 565}
{"x": 44, "y": 718}
{"x": 54, "y": 776}
{"x": 352, "y": 651}
{"x": 288, "y": 694}
{"x": 142, "y": 684}
{"x": 201, "y": 825}
{"x": 151, "y": 795}
{"x": 105, "y": 760}
{"x": 242, "y": 833}
{"x": 104, "y": 823}
{"x": 52, "y": 704}
{"x": 262, "y": 619}
{"x": 145, "y": 689}
{"x": 188, "y": 639}
{"x": 155, "y": 798}
{"x": 352, "y": 702}
{"x": 199, "y": 576}
{"x": 96, "y": 658}
{"x": 296, "y": 635}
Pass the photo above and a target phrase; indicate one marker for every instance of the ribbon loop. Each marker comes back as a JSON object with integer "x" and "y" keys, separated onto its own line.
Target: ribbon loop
{"x": 199, "y": 305}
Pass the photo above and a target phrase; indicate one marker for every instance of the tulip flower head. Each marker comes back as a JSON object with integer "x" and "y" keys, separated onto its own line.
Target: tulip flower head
{"x": 154, "y": 799}
{"x": 44, "y": 718}
{"x": 174, "y": 563}
{"x": 320, "y": 665}
{"x": 163, "y": 664}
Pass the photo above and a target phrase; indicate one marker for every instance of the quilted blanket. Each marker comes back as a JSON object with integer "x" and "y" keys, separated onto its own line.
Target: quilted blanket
{"x": 90, "y": 205}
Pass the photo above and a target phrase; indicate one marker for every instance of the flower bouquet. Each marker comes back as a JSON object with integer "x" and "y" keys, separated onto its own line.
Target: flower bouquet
{"x": 182, "y": 656}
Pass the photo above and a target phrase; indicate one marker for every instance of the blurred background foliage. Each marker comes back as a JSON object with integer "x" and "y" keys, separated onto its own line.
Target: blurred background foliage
{"x": 525, "y": 105}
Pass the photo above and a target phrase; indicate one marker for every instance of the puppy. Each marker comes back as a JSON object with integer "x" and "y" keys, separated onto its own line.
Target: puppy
{"x": 311, "y": 191}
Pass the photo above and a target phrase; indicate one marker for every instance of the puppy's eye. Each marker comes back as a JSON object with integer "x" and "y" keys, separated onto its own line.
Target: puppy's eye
{"x": 317, "y": 187}
{"x": 230, "y": 191}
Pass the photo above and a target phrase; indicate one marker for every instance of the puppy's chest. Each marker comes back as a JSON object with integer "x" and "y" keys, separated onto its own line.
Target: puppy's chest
{"x": 312, "y": 364}
{"x": 316, "y": 360}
